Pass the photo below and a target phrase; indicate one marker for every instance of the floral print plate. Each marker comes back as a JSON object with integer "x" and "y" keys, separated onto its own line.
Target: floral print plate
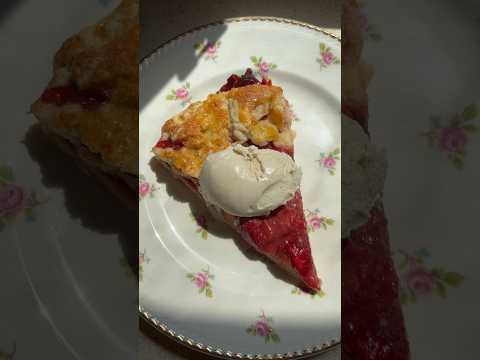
{"x": 432, "y": 141}
{"x": 213, "y": 278}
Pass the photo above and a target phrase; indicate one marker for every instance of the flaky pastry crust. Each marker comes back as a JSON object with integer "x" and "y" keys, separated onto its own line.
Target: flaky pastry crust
{"x": 258, "y": 114}
{"x": 104, "y": 57}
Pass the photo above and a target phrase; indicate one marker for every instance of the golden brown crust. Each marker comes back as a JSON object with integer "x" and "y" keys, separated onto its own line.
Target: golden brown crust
{"x": 103, "y": 56}
{"x": 256, "y": 113}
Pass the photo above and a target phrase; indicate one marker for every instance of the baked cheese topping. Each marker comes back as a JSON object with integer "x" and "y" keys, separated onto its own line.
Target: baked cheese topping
{"x": 256, "y": 113}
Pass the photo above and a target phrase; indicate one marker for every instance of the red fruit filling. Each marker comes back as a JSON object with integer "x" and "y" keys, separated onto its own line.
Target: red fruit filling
{"x": 89, "y": 99}
{"x": 235, "y": 81}
{"x": 372, "y": 321}
{"x": 164, "y": 144}
{"x": 283, "y": 234}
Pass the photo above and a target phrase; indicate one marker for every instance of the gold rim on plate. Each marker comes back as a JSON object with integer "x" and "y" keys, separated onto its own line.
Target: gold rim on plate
{"x": 162, "y": 327}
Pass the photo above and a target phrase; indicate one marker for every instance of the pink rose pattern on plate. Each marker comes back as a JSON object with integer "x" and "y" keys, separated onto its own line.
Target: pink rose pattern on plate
{"x": 145, "y": 189}
{"x": 264, "y": 328}
{"x": 202, "y": 224}
{"x": 142, "y": 260}
{"x": 327, "y": 58}
{"x": 202, "y": 281}
{"x": 262, "y": 68}
{"x": 8, "y": 355}
{"x": 318, "y": 295}
{"x": 181, "y": 94}
{"x": 208, "y": 48}
{"x": 452, "y": 137}
{"x": 316, "y": 222}
{"x": 419, "y": 280}
{"x": 329, "y": 160}
{"x": 14, "y": 199}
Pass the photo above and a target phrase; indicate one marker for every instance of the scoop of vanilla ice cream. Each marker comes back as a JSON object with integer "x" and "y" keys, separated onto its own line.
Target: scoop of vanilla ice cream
{"x": 248, "y": 181}
{"x": 363, "y": 175}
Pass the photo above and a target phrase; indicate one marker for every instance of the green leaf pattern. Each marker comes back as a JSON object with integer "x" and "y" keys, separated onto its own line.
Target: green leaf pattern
{"x": 202, "y": 280}
{"x": 316, "y": 222}
{"x": 263, "y": 327}
{"x": 327, "y": 57}
{"x": 418, "y": 280}
{"x": 451, "y": 137}
{"x": 262, "y": 67}
{"x": 181, "y": 94}
{"x": 329, "y": 160}
{"x": 207, "y": 48}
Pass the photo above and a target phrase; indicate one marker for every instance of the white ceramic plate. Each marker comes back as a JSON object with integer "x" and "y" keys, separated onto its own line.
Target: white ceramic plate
{"x": 199, "y": 282}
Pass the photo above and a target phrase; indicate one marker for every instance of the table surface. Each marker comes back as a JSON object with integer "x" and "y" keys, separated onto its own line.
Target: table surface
{"x": 161, "y": 21}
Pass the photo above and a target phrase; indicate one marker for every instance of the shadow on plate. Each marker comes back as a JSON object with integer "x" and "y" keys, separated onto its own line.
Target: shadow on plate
{"x": 85, "y": 200}
{"x": 159, "y": 76}
{"x": 217, "y": 228}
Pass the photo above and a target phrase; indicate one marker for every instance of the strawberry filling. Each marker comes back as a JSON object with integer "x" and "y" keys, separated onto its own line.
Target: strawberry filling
{"x": 166, "y": 144}
{"x": 89, "y": 99}
{"x": 283, "y": 234}
{"x": 235, "y": 81}
{"x": 372, "y": 320}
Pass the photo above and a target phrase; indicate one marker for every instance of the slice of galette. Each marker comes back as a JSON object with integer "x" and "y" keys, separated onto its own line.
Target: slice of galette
{"x": 90, "y": 106}
{"x": 235, "y": 150}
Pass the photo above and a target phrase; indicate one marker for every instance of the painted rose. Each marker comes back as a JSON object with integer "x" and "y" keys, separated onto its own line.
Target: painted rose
{"x": 328, "y": 57}
{"x": 316, "y": 222}
{"x": 144, "y": 189}
{"x": 452, "y": 139}
{"x": 329, "y": 162}
{"x": 211, "y": 49}
{"x": 141, "y": 258}
{"x": 201, "y": 280}
{"x": 264, "y": 67}
{"x": 12, "y": 200}
{"x": 420, "y": 280}
{"x": 181, "y": 93}
{"x": 262, "y": 328}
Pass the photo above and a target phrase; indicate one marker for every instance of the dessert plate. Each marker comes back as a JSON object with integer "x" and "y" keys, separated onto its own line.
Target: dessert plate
{"x": 198, "y": 282}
